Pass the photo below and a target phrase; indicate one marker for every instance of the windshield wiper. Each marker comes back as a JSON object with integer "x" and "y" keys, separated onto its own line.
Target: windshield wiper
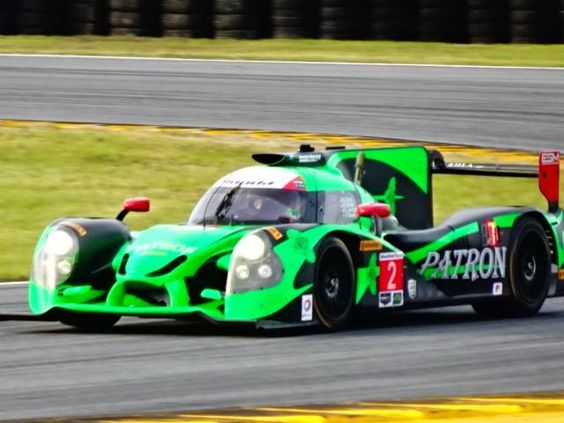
{"x": 226, "y": 203}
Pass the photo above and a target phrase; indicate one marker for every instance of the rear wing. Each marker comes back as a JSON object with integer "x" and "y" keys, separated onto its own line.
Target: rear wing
{"x": 547, "y": 172}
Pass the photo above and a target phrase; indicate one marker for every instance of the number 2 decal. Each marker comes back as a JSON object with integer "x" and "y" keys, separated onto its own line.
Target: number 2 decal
{"x": 391, "y": 272}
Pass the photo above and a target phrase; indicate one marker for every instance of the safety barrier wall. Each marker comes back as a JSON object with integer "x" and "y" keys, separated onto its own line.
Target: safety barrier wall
{"x": 461, "y": 21}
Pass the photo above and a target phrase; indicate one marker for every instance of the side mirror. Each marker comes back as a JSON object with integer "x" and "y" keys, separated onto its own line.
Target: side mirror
{"x": 139, "y": 204}
{"x": 373, "y": 210}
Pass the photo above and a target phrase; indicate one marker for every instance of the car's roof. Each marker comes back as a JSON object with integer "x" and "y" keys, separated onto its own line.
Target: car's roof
{"x": 282, "y": 177}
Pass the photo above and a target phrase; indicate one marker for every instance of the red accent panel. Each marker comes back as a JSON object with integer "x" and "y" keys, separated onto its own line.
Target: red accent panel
{"x": 140, "y": 204}
{"x": 373, "y": 209}
{"x": 296, "y": 184}
{"x": 549, "y": 177}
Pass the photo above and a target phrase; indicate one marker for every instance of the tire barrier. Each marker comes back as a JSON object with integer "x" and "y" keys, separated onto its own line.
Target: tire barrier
{"x": 443, "y": 20}
{"x": 135, "y": 17}
{"x": 295, "y": 18}
{"x": 187, "y": 18}
{"x": 7, "y": 15}
{"x": 393, "y": 20}
{"x": 459, "y": 21}
{"x": 561, "y": 21}
{"x": 488, "y": 21}
{"x": 535, "y": 21}
{"x": 344, "y": 19}
{"x": 244, "y": 19}
{"x": 89, "y": 17}
{"x": 40, "y": 17}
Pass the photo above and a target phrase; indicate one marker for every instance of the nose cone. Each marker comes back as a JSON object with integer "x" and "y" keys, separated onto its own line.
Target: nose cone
{"x": 165, "y": 249}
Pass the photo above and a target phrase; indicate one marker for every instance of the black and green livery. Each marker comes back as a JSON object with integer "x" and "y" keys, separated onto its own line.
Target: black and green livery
{"x": 309, "y": 238}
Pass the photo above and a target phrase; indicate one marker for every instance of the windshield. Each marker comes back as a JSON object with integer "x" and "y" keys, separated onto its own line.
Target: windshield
{"x": 238, "y": 205}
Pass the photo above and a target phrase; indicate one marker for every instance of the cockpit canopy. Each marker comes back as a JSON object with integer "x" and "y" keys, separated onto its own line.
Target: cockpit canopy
{"x": 269, "y": 195}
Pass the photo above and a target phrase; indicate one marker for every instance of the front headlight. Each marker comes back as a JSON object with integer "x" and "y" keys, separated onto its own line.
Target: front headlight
{"x": 55, "y": 259}
{"x": 251, "y": 247}
{"x": 254, "y": 265}
{"x": 59, "y": 243}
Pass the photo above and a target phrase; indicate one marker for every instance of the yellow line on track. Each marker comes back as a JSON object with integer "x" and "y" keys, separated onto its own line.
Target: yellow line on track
{"x": 452, "y": 151}
{"x": 545, "y": 407}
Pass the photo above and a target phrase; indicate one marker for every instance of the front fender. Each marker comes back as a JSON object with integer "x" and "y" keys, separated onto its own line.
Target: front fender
{"x": 297, "y": 248}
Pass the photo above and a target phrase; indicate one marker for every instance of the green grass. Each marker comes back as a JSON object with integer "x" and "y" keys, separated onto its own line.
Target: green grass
{"x": 48, "y": 172}
{"x": 308, "y": 50}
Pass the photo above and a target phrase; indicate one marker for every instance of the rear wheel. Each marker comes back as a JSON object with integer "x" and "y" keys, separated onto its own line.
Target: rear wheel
{"x": 90, "y": 322}
{"x": 334, "y": 284}
{"x": 528, "y": 273}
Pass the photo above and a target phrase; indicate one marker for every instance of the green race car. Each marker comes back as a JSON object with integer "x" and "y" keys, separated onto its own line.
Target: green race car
{"x": 308, "y": 238}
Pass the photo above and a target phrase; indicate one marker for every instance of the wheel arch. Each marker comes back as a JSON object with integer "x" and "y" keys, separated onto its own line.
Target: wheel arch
{"x": 539, "y": 218}
{"x": 351, "y": 241}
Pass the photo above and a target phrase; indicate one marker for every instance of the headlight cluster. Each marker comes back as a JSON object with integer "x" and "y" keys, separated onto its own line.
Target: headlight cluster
{"x": 56, "y": 258}
{"x": 254, "y": 265}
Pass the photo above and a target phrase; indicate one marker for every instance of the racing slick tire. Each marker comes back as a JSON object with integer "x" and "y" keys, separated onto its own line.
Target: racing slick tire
{"x": 333, "y": 288}
{"x": 528, "y": 273}
{"x": 90, "y": 322}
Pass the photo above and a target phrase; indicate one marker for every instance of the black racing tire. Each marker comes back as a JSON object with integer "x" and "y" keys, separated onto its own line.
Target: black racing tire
{"x": 528, "y": 273}
{"x": 189, "y": 33}
{"x": 531, "y": 17}
{"x": 237, "y": 7}
{"x": 341, "y": 13}
{"x": 488, "y": 32}
{"x": 240, "y": 34}
{"x": 39, "y": 6}
{"x": 389, "y": 14}
{"x": 116, "y": 30}
{"x": 124, "y": 5}
{"x": 33, "y": 20}
{"x": 82, "y": 28}
{"x": 89, "y": 322}
{"x": 334, "y": 284}
{"x": 404, "y": 5}
{"x": 187, "y": 6}
{"x": 436, "y": 15}
{"x": 83, "y": 12}
{"x": 333, "y": 3}
{"x": 125, "y": 20}
{"x": 229, "y": 22}
{"x": 523, "y": 4}
{"x": 290, "y": 32}
{"x": 289, "y": 4}
{"x": 289, "y": 21}
{"x": 487, "y": 4}
{"x": 185, "y": 21}
{"x": 488, "y": 15}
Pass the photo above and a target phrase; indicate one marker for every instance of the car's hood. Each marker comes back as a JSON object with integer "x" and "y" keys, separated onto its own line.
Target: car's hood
{"x": 161, "y": 249}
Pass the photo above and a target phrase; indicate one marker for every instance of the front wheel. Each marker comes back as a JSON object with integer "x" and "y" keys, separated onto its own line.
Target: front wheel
{"x": 528, "y": 273}
{"x": 334, "y": 284}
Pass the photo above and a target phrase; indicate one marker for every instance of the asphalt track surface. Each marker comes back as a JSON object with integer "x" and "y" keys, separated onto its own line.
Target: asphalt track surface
{"x": 151, "y": 366}
{"x": 517, "y": 108}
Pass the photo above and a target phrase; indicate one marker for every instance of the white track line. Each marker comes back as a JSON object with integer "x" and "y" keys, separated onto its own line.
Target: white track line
{"x": 291, "y": 62}
{"x": 16, "y": 283}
